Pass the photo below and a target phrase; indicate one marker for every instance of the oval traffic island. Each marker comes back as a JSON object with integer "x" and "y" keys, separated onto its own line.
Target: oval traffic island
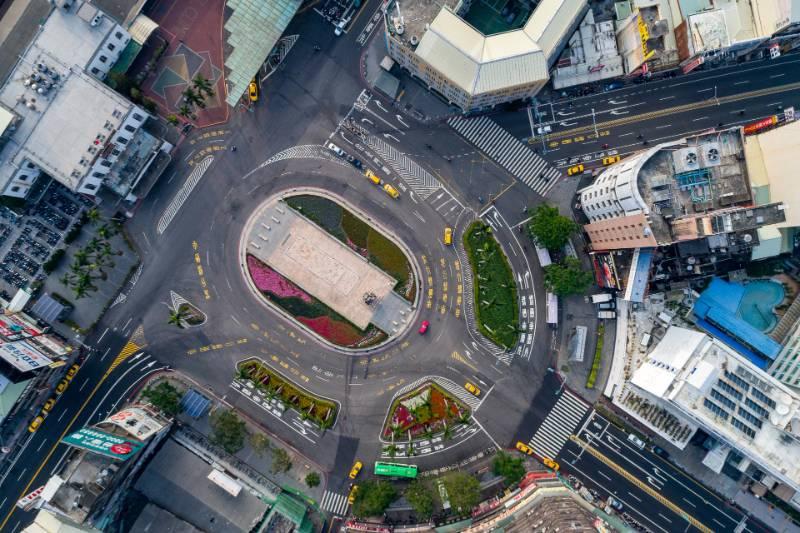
{"x": 323, "y": 265}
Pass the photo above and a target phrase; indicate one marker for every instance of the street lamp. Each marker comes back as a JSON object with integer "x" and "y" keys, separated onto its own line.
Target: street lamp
{"x": 594, "y": 122}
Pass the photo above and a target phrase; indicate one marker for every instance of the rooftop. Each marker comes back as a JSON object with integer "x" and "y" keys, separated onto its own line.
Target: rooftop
{"x": 735, "y": 401}
{"x": 122, "y": 11}
{"x": 63, "y": 110}
{"x": 71, "y": 37}
{"x": 478, "y": 63}
{"x": 177, "y": 480}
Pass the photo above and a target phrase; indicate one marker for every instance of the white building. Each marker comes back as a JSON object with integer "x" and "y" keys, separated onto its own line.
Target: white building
{"x": 704, "y": 382}
{"x": 472, "y": 70}
{"x": 592, "y": 55}
{"x": 58, "y": 118}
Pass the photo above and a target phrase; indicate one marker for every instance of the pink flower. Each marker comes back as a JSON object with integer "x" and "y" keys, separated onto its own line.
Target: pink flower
{"x": 268, "y": 280}
{"x": 337, "y": 332}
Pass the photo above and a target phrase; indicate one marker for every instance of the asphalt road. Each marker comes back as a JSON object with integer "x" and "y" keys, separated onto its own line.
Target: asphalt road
{"x": 653, "y": 491}
{"x": 443, "y": 181}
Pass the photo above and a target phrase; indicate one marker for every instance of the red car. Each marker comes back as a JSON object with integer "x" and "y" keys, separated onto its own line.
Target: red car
{"x": 424, "y": 327}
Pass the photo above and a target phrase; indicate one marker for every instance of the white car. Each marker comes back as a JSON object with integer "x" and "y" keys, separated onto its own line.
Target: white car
{"x": 543, "y": 130}
{"x": 339, "y": 28}
{"x": 336, "y": 150}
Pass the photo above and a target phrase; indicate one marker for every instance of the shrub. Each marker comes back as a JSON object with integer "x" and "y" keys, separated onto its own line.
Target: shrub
{"x": 598, "y": 352}
{"x": 51, "y": 264}
{"x": 165, "y": 397}
{"x": 228, "y": 431}
{"x": 312, "y": 479}
{"x": 495, "y": 291}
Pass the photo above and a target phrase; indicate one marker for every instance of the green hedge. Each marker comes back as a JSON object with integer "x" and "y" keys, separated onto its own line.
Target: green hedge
{"x": 494, "y": 289}
{"x": 598, "y": 352}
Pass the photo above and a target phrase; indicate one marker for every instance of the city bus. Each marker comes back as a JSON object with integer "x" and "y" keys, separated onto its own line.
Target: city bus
{"x": 395, "y": 470}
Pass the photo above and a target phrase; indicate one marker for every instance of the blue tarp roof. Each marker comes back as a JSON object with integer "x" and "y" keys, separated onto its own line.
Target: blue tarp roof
{"x": 716, "y": 310}
{"x": 194, "y": 404}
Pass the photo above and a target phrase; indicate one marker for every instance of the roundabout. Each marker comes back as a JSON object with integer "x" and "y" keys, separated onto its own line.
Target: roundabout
{"x": 318, "y": 283}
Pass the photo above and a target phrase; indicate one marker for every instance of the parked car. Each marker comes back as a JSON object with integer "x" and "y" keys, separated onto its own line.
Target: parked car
{"x": 610, "y": 160}
{"x": 374, "y": 178}
{"x": 62, "y": 386}
{"x": 35, "y": 423}
{"x": 543, "y": 130}
{"x": 424, "y": 327}
{"x": 336, "y": 150}
{"x": 48, "y": 405}
{"x": 351, "y": 498}
{"x": 71, "y": 372}
{"x": 549, "y": 463}
{"x": 391, "y": 191}
{"x": 615, "y": 85}
{"x": 253, "y": 91}
{"x": 448, "y": 236}
{"x": 636, "y": 441}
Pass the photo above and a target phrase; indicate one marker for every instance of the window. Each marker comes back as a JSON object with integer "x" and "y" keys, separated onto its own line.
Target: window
{"x": 118, "y": 35}
{"x": 14, "y": 189}
{"x": 95, "y": 70}
{"x": 138, "y": 117}
{"x": 23, "y": 177}
{"x": 122, "y": 140}
{"x": 105, "y": 163}
{"x": 29, "y": 164}
{"x": 130, "y": 128}
{"x": 103, "y": 59}
{"x": 97, "y": 174}
{"x": 115, "y": 151}
{"x": 111, "y": 46}
{"x": 90, "y": 186}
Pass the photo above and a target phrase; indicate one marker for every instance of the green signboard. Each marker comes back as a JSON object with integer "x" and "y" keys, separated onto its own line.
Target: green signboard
{"x": 103, "y": 443}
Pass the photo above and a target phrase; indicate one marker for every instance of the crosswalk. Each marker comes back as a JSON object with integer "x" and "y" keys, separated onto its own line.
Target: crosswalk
{"x": 416, "y": 177}
{"x": 456, "y": 390}
{"x": 559, "y": 424}
{"x": 335, "y": 503}
{"x": 508, "y": 152}
{"x": 186, "y": 189}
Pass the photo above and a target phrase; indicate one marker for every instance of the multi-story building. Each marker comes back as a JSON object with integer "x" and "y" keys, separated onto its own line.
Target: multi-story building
{"x": 476, "y": 58}
{"x": 753, "y": 418}
{"x": 58, "y": 119}
{"x": 693, "y": 188}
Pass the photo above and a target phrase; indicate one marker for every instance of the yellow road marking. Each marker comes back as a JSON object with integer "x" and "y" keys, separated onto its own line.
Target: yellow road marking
{"x": 640, "y": 484}
{"x": 460, "y": 358}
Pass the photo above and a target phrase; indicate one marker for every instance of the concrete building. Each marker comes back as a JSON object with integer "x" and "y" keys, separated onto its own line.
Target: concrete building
{"x": 49, "y": 522}
{"x": 474, "y": 57}
{"x": 691, "y": 189}
{"x": 590, "y": 56}
{"x": 752, "y": 418}
{"x": 47, "y": 129}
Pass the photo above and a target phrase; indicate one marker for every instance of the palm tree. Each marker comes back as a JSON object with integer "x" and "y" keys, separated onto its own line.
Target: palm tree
{"x": 448, "y": 432}
{"x": 105, "y": 232}
{"x": 176, "y": 317}
{"x": 191, "y": 97}
{"x": 464, "y": 418}
{"x": 185, "y": 111}
{"x": 203, "y": 85}
{"x": 93, "y": 215}
{"x": 391, "y": 450}
{"x": 81, "y": 258}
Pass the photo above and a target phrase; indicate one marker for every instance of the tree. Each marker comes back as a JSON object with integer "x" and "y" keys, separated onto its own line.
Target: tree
{"x": 203, "y": 86}
{"x": 511, "y": 468}
{"x": 372, "y": 498}
{"x": 186, "y": 111}
{"x": 421, "y": 499}
{"x": 228, "y": 430}
{"x": 165, "y": 397}
{"x": 281, "y": 462}
{"x": 93, "y": 215}
{"x": 260, "y": 443}
{"x": 176, "y": 317}
{"x": 463, "y": 491}
{"x": 567, "y": 277}
{"x": 549, "y": 229}
{"x": 312, "y": 479}
{"x": 173, "y": 119}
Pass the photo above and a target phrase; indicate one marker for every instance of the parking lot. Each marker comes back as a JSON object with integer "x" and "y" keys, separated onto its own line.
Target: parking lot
{"x": 27, "y": 240}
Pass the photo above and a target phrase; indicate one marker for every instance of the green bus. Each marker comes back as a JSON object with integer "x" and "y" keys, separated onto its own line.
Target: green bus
{"x": 395, "y": 470}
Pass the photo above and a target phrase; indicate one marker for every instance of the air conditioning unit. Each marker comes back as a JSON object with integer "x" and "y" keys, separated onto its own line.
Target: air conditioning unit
{"x": 96, "y": 20}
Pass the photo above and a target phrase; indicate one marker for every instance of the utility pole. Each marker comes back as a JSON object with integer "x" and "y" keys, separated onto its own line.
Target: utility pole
{"x": 715, "y": 95}
{"x": 594, "y": 122}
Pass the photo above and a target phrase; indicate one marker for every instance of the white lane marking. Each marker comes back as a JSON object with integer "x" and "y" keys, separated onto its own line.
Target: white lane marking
{"x": 183, "y": 193}
{"x": 666, "y": 98}
{"x": 664, "y": 126}
{"x": 741, "y": 82}
{"x": 22, "y": 474}
{"x": 625, "y": 134}
{"x": 665, "y": 518}
{"x": 699, "y": 118}
{"x": 61, "y": 415}
{"x": 632, "y": 495}
{"x": 85, "y": 381}
{"x": 102, "y": 335}
{"x": 706, "y": 90}
{"x": 777, "y": 76}
{"x": 105, "y": 354}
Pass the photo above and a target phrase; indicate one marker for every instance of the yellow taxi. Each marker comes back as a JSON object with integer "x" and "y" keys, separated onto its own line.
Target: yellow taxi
{"x": 71, "y": 372}
{"x": 371, "y": 176}
{"x": 610, "y": 160}
{"x": 356, "y": 469}
{"x": 549, "y": 463}
{"x": 351, "y": 498}
{"x": 448, "y": 236}
{"x": 48, "y": 405}
{"x": 391, "y": 191}
{"x": 62, "y": 386}
{"x": 35, "y": 423}
{"x": 472, "y": 388}
{"x": 577, "y": 169}
{"x": 524, "y": 448}
{"x": 253, "y": 91}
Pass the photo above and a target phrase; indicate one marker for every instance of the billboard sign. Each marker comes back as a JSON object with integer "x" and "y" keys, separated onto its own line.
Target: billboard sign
{"x": 23, "y": 356}
{"x": 103, "y": 443}
{"x": 755, "y": 127}
{"x": 136, "y": 422}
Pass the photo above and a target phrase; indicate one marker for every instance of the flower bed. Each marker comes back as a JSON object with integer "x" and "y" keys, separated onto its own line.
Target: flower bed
{"x": 359, "y": 236}
{"x": 320, "y": 410}
{"x": 424, "y": 412}
{"x": 306, "y": 309}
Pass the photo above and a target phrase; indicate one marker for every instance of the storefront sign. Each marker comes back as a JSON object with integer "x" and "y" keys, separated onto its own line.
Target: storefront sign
{"x": 103, "y": 443}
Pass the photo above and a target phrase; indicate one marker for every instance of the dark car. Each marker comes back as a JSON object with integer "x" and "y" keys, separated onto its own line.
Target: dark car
{"x": 615, "y": 85}
{"x": 660, "y": 452}
{"x": 356, "y": 163}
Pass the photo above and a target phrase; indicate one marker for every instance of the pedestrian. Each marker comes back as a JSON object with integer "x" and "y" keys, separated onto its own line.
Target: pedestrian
{"x": 317, "y": 48}
{"x": 233, "y": 148}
